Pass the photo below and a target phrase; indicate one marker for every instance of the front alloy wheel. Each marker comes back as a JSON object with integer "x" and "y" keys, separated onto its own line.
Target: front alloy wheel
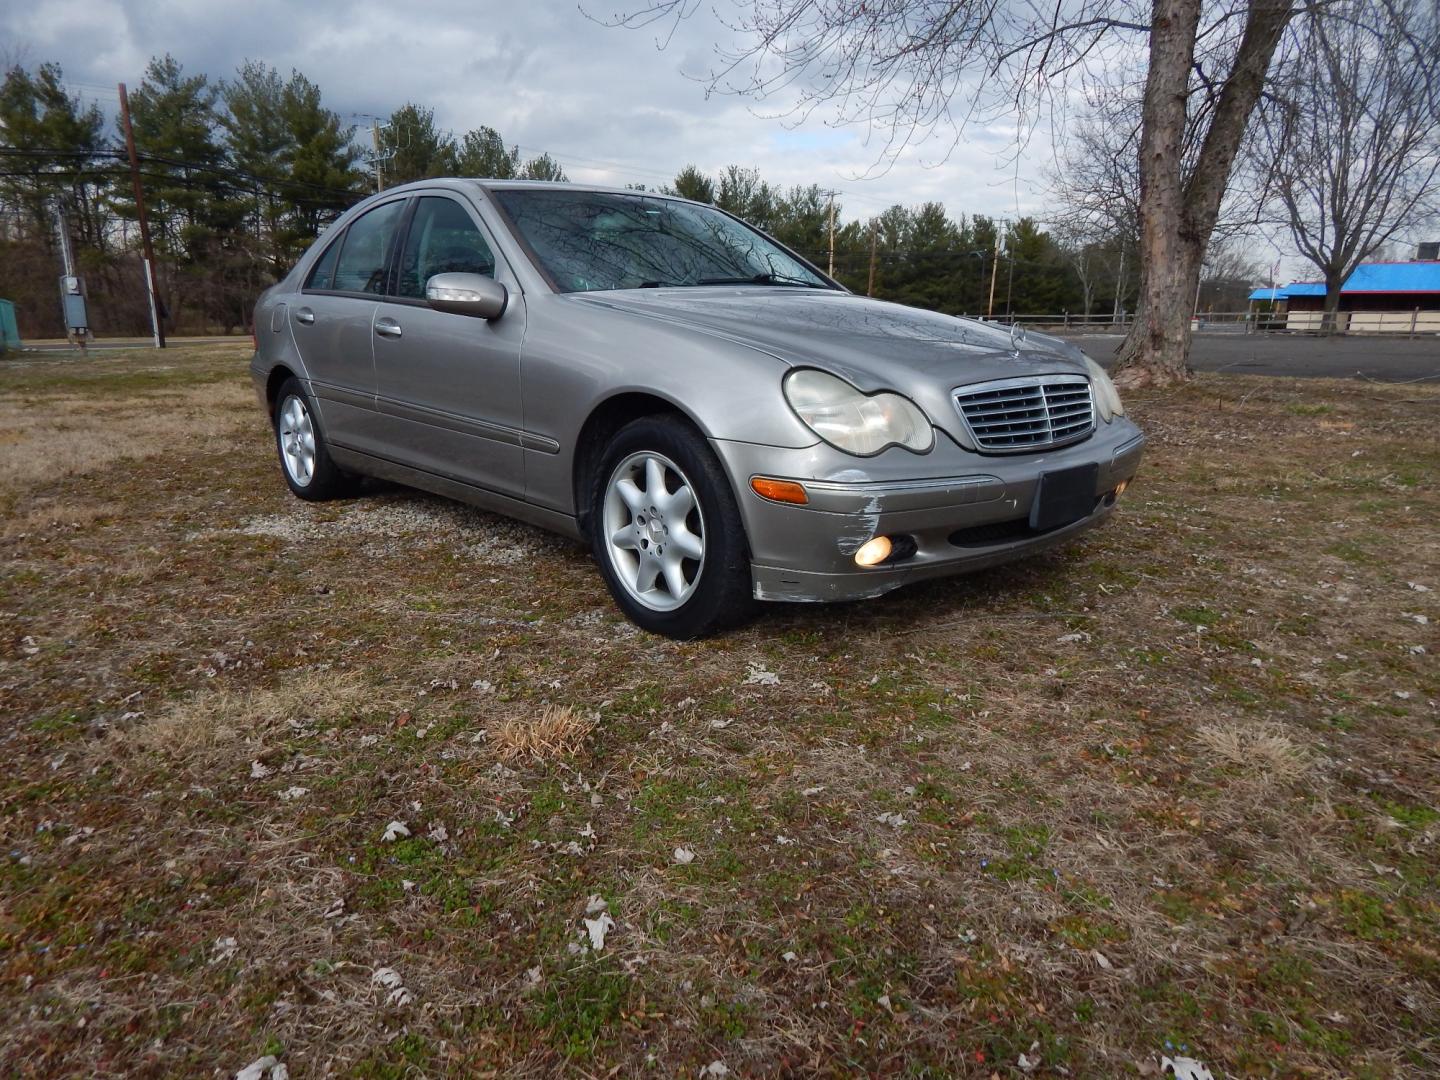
{"x": 666, "y": 532}
{"x": 656, "y": 531}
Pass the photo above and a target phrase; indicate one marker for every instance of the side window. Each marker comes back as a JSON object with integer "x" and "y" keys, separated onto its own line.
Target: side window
{"x": 442, "y": 240}
{"x": 366, "y": 251}
{"x": 324, "y": 268}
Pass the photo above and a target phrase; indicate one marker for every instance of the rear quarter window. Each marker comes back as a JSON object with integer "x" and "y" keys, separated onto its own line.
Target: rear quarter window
{"x": 323, "y": 272}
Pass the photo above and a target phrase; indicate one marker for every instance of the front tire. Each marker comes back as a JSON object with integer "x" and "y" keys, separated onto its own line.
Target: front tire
{"x": 666, "y": 532}
{"x": 304, "y": 459}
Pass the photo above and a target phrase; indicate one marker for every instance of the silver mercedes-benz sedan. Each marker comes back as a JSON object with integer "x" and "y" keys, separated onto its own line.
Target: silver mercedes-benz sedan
{"x": 715, "y": 417}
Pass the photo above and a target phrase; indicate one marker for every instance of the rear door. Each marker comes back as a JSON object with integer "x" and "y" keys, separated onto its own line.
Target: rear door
{"x": 448, "y": 386}
{"x": 333, "y": 324}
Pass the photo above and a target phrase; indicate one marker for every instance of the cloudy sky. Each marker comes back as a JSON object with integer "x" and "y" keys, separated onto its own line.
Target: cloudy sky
{"x": 605, "y": 102}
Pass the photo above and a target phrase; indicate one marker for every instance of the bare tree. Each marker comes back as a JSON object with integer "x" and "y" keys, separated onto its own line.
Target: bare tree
{"x": 898, "y": 67}
{"x": 1349, "y": 134}
{"x": 1096, "y": 176}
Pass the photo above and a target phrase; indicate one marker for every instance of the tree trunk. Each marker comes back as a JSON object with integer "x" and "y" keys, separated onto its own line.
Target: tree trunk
{"x": 1328, "y": 321}
{"x": 1155, "y": 350}
{"x": 1177, "y": 215}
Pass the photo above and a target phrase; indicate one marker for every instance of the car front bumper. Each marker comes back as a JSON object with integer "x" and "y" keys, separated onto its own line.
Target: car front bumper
{"x": 961, "y": 511}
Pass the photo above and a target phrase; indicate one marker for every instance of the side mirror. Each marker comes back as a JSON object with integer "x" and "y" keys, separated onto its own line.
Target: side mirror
{"x": 466, "y": 294}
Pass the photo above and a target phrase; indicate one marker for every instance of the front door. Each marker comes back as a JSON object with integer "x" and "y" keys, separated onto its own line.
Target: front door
{"x": 448, "y": 386}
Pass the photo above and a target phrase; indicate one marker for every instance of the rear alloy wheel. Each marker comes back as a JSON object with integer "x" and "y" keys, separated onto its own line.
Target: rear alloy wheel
{"x": 667, "y": 533}
{"x": 304, "y": 459}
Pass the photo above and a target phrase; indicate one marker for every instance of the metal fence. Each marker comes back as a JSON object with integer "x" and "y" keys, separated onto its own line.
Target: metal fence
{"x": 1415, "y": 323}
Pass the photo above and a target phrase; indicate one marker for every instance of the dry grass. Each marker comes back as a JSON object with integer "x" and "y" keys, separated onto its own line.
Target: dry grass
{"x": 211, "y": 719}
{"x": 555, "y": 732}
{"x": 57, "y": 515}
{"x": 48, "y": 436}
{"x": 1177, "y": 784}
{"x": 1255, "y": 747}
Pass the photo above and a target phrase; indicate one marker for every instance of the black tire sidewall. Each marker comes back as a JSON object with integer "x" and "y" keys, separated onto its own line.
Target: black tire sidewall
{"x": 722, "y": 597}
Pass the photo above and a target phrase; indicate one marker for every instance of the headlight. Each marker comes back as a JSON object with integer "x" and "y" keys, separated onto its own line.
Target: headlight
{"x": 1107, "y": 398}
{"x": 858, "y": 423}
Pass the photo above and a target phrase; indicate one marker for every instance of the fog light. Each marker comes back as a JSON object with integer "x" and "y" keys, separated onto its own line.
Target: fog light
{"x": 874, "y": 551}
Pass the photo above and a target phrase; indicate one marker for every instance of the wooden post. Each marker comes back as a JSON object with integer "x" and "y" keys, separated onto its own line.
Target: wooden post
{"x": 994, "y": 272}
{"x": 832, "y": 234}
{"x": 874, "y": 238}
{"x": 375, "y": 142}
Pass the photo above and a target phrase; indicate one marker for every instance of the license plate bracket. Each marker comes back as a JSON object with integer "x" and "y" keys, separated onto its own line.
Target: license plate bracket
{"x": 1063, "y": 497}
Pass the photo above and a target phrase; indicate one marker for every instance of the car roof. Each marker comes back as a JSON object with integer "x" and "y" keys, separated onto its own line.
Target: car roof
{"x": 489, "y": 184}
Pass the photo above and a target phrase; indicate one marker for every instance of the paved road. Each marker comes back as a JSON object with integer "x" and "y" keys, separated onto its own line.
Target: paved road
{"x": 1382, "y": 359}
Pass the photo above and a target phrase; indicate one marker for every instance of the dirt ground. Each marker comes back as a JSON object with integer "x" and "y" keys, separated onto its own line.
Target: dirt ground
{"x": 386, "y": 787}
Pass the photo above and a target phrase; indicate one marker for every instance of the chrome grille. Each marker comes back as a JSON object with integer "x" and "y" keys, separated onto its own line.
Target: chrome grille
{"x": 1009, "y": 416}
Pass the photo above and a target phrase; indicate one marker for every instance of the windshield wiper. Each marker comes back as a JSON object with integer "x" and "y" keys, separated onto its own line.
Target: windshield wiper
{"x": 762, "y": 279}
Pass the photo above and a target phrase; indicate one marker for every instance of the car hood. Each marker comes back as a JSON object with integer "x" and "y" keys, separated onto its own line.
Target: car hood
{"x": 873, "y": 344}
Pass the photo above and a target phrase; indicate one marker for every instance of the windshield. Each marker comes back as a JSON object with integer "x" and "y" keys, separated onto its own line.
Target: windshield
{"x": 588, "y": 240}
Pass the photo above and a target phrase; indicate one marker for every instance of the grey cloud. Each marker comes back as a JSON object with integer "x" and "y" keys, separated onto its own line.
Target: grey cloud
{"x": 545, "y": 75}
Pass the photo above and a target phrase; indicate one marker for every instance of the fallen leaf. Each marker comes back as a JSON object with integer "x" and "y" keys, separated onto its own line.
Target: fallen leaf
{"x": 1186, "y": 1068}
{"x": 394, "y": 831}
{"x": 258, "y": 1068}
{"x": 760, "y": 676}
{"x": 597, "y": 928}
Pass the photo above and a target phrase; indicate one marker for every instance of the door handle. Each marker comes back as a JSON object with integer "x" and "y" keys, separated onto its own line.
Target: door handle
{"x": 388, "y": 328}
{"x": 304, "y": 315}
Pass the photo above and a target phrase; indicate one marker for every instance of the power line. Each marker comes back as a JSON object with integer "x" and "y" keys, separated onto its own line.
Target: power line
{"x": 199, "y": 166}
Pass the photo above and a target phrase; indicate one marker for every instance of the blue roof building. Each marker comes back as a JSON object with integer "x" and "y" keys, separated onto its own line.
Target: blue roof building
{"x": 1379, "y": 297}
{"x": 1399, "y": 279}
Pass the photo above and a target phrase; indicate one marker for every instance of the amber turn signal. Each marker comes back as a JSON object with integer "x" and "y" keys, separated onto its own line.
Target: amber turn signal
{"x": 786, "y": 491}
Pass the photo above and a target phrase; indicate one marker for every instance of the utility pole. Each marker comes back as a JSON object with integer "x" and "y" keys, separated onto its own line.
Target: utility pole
{"x": 72, "y": 289}
{"x": 1010, "y": 285}
{"x": 155, "y": 324}
{"x": 375, "y": 141}
{"x": 874, "y": 238}
{"x": 832, "y": 234}
{"x": 62, "y": 234}
{"x": 1119, "y": 313}
{"x": 994, "y": 273}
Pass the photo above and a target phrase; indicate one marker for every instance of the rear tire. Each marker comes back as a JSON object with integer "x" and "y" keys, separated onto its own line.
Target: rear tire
{"x": 304, "y": 459}
{"x": 666, "y": 532}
